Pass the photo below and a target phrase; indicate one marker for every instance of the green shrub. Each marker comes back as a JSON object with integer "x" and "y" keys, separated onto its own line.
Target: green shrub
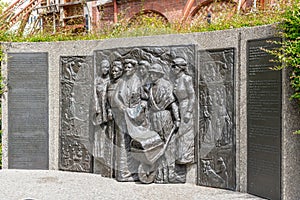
{"x": 288, "y": 55}
{"x": 290, "y": 51}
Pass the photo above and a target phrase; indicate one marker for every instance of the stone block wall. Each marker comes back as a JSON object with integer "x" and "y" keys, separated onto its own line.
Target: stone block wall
{"x": 235, "y": 40}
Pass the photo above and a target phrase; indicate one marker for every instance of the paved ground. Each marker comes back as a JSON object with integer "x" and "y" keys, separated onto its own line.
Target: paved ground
{"x": 58, "y": 185}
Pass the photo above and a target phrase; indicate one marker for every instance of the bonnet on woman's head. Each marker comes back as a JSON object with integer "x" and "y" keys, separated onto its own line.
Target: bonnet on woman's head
{"x": 131, "y": 61}
{"x": 144, "y": 62}
{"x": 181, "y": 62}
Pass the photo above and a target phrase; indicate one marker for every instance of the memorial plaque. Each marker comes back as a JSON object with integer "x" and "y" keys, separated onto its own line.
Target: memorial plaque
{"x": 145, "y": 112}
{"x": 134, "y": 113}
{"x": 76, "y": 82}
{"x": 263, "y": 120}
{"x": 216, "y": 155}
{"x": 28, "y": 111}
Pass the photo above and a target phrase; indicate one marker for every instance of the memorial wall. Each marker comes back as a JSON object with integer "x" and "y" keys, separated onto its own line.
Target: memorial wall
{"x": 202, "y": 108}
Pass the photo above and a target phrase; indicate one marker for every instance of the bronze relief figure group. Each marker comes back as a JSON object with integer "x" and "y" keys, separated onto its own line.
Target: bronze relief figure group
{"x": 144, "y": 116}
{"x": 149, "y": 114}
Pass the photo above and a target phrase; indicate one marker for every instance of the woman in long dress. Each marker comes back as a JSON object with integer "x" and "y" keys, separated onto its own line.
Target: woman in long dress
{"x": 101, "y": 84}
{"x": 103, "y": 131}
{"x": 185, "y": 94}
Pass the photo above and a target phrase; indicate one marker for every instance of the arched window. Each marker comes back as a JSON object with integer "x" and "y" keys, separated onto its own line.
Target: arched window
{"x": 148, "y": 18}
{"x": 211, "y": 11}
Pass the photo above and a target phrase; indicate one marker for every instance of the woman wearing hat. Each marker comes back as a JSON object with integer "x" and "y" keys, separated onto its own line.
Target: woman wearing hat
{"x": 162, "y": 107}
{"x": 185, "y": 94}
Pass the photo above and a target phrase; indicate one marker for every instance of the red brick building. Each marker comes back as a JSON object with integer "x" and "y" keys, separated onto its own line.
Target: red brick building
{"x": 106, "y": 11}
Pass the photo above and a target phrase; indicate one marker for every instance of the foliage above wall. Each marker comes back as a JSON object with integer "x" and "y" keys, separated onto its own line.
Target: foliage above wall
{"x": 153, "y": 25}
{"x": 289, "y": 52}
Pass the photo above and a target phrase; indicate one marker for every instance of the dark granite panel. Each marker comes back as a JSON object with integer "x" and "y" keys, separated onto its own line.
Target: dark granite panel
{"x": 28, "y": 111}
{"x": 264, "y": 121}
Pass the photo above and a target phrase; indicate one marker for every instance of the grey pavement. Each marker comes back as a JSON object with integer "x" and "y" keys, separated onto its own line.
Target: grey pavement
{"x": 59, "y": 185}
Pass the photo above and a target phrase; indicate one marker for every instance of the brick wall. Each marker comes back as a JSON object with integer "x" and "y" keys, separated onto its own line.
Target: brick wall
{"x": 166, "y": 8}
{"x": 171, "y": 9}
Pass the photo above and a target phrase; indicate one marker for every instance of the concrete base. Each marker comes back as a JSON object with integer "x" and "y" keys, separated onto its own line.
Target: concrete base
{"x": 53, "y": 185}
